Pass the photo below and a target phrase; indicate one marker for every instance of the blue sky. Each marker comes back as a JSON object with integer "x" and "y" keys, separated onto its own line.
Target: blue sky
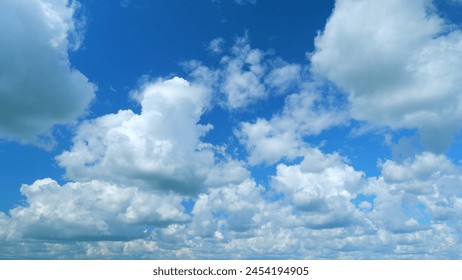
{"x": 140, "y": 129}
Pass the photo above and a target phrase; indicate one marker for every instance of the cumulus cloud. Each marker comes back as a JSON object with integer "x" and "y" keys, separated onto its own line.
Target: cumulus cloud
{"x": 160, "y": 148}
{"x": 330, "y": 210}
{"x": 319, "y": 208}
{"x": 90, "y": 211}
{"x": 38, "y": 86}
{"x": 322, "y": 187}
{"x": 246, "y": 75}
{"x": 268, "y": 141}
{"x": 226, "y": 210}
{"x": 416, "y": 195}
{"x": 243, "y": 73}
{"x": 400, "y": 64}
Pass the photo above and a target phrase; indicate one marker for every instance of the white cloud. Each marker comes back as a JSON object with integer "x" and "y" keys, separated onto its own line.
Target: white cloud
{"x": 91, "y": 211}
{"x": 318, "y": 205}
{"x": 159, "y": 148}
{"x": 418, "y": 194}
{"x": 216, "y": 45}
{"x": 313, "y": 209}
{"x": 399, "y": 63}
{"x": 284, "y": 77}
{"x": 282, "y": 136}
{"x": 243, "y": 73}
{"x": 267, "y": 143}
{"x": 38, "y": 87}
{"x": 246, "y": 75}
{"x": 423, "y": 167}
{"x": 321, "y": 187}
{"x": 226, "y": 210}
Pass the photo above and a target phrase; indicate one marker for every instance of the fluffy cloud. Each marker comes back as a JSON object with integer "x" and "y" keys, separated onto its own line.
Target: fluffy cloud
{"x": 330, "y": 210}
{"x": 243, "y": 73}
{"x": 322, "y": 187}
{"x": 38, "y": 87}
{"x": 417, "y": 194}
{"x": 90, "y": 211}
{"x": 159, "y": 148}
{"x": 280, "y": 137}
{"x": 399, "y": 63}
{"x": 318, "y": 208}
{"x": 226, "y": 210}
{"x": 246, "y": 75}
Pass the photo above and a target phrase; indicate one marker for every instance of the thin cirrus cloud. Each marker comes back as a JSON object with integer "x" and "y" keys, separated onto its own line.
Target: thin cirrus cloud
{"x": 38, "y": 87}
{"x": 403, "y": 74}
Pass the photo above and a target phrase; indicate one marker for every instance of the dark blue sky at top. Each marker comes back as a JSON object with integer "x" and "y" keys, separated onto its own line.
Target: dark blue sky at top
{"x": 154, "y": 37}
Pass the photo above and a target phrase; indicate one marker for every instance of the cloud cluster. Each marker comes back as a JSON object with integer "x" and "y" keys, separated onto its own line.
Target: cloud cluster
{"x": 90, "y": 211}
{"x": 319, "y": 208}
{"x": 404, "y": 71}
{"x": 417, "y": 194}
{"x": 268, "y": 141}
{"x": 321, "y": 187}
{"x": 38, "y": 86}
{"x": 412, "y": 210}
{"x": 246, "y": 75}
